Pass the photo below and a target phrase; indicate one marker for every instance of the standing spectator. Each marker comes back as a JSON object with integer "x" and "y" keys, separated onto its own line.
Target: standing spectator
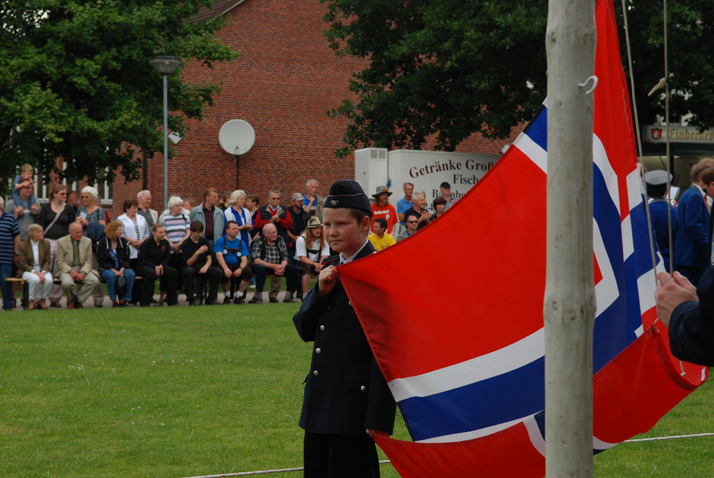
{"x": 189, "y": 204}
{"x": 113, "y": 257}
{"x": 136, "y": 230}
{"x": 310, "y": 250}
{"x": 269, "y": 254}
{"x": 411, "y": 228}
{"x": 25, "y": 180}
{"x": 691, "y": 248}
{"x": 380, "y": 239}
{"x": 656, "y": 190}
{"x": 232, "y": 256}
{"x": 177, "y": 231}
{"x": 299, "y": 217}
{"x": 419, "y": 210}
{"x": 439, "y": 207}
{"x": 382, "y": 208}
{"x": 210, "y": 215}
{"x": 34, "y": 266}
{"x": 311, "y": 201}
{"x": 197, "y": 257}
{"x": 9, "y": 253}
{"x": 73, "y": 200}
{"x": 151, "y": 216}
{"x": 274, "y": 213}
{"x": 404, "y": 205}
{"x": 55, "y": 217}
{"x": 225, "y": 201}
{"x": 24, "y": 211}
{"x": 252, "y": 202}
{"x": 153, "y": 263}
{"x": 446, "y": 194}
{"x": 236, "y": 212}
{"x": 91, "y": 213}
{"x": 75, "y": 262}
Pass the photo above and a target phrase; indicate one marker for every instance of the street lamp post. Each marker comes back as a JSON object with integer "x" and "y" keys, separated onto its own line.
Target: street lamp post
{"x": 165, "y": 65}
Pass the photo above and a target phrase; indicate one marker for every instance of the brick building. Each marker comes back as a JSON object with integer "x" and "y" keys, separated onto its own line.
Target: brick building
{"x": 284, "y": 82}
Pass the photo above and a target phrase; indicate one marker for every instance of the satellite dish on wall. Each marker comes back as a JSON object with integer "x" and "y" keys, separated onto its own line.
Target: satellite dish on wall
{"x": 236, "y": 137}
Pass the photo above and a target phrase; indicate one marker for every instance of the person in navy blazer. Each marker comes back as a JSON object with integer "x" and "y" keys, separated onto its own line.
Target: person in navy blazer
{"x": 691, "y": 248}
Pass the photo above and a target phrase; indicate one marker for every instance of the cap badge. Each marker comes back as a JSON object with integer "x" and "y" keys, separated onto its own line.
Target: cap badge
{"x": 334, "y": 202}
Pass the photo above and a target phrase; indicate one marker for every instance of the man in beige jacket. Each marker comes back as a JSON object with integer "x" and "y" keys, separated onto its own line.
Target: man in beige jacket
{"x": 74, "y": 261}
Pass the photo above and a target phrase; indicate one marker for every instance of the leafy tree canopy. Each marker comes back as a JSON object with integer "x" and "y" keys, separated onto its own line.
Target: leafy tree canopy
{"x": 451, "y": 68}
{"x": 75, "y": 82}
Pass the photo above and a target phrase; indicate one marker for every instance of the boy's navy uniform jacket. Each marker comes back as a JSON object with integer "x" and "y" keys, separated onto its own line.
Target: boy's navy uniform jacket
{"x": 345, "y": 392}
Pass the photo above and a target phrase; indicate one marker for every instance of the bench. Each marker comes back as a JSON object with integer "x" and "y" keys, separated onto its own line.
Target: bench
{"x": 26, "y": 288}
{"x": 56, "y": 280}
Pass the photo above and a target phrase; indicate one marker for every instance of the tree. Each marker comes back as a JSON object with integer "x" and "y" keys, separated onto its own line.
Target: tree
{"x": 75, "y": 82}
{"x": 451, "y": 68}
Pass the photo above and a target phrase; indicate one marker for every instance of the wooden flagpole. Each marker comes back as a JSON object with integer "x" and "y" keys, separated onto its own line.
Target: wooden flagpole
{"x": 569, "y": 304}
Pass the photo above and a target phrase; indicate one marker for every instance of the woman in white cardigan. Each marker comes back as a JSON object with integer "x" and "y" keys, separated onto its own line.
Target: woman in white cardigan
{"x": 236, "y": 212}
{"x": 136, "y": 229}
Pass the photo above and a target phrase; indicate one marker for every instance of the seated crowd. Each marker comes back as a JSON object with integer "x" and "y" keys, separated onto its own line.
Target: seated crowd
{"x": 225, "y": 243}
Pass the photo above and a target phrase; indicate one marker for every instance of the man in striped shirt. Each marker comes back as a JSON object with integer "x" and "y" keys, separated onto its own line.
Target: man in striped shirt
{"x": 9, "y": 252}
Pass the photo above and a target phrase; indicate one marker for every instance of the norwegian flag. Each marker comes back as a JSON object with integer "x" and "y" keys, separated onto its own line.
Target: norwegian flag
{"x": 454, "y": 314}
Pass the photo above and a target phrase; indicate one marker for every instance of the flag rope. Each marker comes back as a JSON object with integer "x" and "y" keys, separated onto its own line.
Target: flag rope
{"x": 639, "y": 148}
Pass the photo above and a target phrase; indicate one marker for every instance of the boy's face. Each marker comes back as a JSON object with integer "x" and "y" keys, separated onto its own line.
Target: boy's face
{"x": 342, "y": 231}
{"x": 27, "y": 174}
{"x": 248, "y": 203}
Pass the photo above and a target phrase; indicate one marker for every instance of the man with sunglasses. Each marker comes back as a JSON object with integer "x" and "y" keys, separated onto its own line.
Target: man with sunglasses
{"x": 411, "y": 228}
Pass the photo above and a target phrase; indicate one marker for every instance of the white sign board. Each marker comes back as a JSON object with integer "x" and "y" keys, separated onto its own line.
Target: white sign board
{"x": 677, "y": 134}
{"x": 425, "y": 169}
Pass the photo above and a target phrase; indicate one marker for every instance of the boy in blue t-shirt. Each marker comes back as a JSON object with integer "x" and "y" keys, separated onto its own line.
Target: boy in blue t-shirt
{"x": 232, "y": 256}
{"x": 27, "y": 172}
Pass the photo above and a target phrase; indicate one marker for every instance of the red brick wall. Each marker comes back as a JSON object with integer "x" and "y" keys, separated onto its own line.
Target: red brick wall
{"x": 283, "y": 83}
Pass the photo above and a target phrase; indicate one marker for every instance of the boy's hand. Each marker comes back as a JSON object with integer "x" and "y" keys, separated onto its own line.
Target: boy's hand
{"x": 327, "y": 280}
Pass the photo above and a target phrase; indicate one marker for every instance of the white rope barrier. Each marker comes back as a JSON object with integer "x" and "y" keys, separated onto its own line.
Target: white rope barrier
{"x": 286, "y": 470}
{"x": 261, "y": 472}
{"x": 670, "y": 438}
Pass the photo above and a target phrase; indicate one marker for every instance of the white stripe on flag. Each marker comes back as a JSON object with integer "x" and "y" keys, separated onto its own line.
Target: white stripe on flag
{"x": 646, "y": 287}
{"x": 603, "y": 163}
{"x": 475, "y": 433}
{"x": 531, "y": 149}
{"x": 535, "y": 435}
{"x": 602, "y": 445}
{"x": 634, "y": 188}
{"x": 606, "y": 291}
{"x": 511, "y": 357}
{"x": 628, "y": 242}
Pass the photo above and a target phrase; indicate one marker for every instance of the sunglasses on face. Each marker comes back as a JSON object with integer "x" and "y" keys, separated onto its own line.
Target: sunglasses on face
{"x": 412, "y": 222}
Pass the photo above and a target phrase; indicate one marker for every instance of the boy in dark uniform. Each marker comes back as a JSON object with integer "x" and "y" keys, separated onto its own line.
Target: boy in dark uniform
{"x": 346, "y": 398}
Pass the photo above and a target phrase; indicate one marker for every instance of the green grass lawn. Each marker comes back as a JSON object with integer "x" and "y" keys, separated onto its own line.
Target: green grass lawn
{"x": 175, "y": 392}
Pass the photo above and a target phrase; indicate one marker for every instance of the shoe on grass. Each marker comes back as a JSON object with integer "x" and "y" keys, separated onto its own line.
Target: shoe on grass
{"x": 255, "y": 300}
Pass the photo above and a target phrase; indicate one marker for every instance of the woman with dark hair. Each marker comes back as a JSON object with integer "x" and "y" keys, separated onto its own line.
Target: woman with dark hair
{"x": 55, "y": 217}
{"x": 439, "y": 207}
{"x": 153, "y": 262}
{"x": 113, "y": 259}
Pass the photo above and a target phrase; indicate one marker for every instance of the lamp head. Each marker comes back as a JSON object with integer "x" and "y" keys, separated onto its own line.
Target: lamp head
{"x": 164, "y": 64}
